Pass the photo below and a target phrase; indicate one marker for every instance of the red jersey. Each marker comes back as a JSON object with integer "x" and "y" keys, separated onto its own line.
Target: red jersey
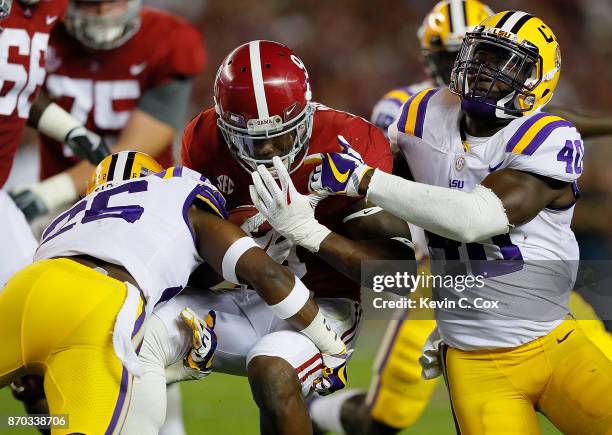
{"x": 204, "y": 150}
{"x": 24, "y": 36}
{"x": 101, "y": 88}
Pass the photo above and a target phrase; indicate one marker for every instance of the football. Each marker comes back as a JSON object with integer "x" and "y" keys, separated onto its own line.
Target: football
{"x": 250, "y": 220}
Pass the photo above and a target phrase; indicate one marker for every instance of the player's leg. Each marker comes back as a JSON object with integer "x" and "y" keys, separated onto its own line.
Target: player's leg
{"x": 168, "y": 340}
{"x": 77, "y": 308}
{"x": 12, "y": 304}
{"x": 283, "y": 365}
{"x": 577, "y": 398}
{"x": 397, "y": 395}
{"x": 493, "y": 393}
{"x": 18, "y": 242}
{"x": 174, "y": 417}
{"x": 591, "y": 324}
{"x": 147, "y": 410}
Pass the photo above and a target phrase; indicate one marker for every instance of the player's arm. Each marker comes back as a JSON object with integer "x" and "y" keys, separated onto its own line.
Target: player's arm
{"x": 51, "y": 120}
{"x": 150, "y": 128}
{"x": 236, "y": 257}
{"x": 372, "y": 234}
{"x": 292, "y": 215}
{"x": 589, "y": 125}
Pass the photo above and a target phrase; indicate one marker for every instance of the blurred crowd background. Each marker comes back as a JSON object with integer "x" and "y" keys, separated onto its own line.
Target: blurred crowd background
{"x": 356, "y": 50}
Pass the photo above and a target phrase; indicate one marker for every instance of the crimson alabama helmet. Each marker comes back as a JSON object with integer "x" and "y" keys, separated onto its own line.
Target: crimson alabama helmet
{"x": 262, "y": 91}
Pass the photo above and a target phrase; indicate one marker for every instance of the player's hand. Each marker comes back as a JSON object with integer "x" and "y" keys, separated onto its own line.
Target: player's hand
{"x": 87, "y": 145}
{"x": 212, "y": 197}
{"x": 334, "y": 375}
{"x": 199, "y": 360}
{"x": 29, "y": 202}
{"x": 287, "y": 210}
{"x": 337, "y": 173}
{"x": 38, "y": 199}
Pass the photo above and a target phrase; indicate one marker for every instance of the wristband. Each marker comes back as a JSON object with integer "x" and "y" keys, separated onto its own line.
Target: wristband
{"x": 323, "y": 336}
{"x": 294, "y": 301}
{"x": 232, "y": 255}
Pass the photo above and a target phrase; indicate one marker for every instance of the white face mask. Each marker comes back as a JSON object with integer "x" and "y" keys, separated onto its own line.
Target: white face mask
{"x": 103, "y": 32}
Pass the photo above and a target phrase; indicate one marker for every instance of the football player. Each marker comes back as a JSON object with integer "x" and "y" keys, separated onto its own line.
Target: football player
{"x": 123, "y": 71}
{"x": 99, "y": 273}
{"x": 264, "y": 108}
{"x": 398, "y": 394}
{"x": 23, "y": 40}
{"x": 516, "y": 168}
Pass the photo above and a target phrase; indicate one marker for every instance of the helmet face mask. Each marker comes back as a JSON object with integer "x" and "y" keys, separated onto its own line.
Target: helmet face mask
{"x": 289, "y": 141}
{"x": 263, "y": 103}
{"x": 440, "y": 64}
{"x": 102, "y": 31}
{"x": 508, "y": 66}
{"x": 5, "y": 8}
{"x": 495, "y": 73}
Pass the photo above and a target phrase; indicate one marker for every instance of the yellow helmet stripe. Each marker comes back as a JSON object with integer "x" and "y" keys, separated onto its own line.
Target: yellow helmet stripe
{"x": 413, "y": 113}
{"x": 534, "y": 132}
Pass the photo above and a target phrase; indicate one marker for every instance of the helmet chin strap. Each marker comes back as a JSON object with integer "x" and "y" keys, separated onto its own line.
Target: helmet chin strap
{"x": 502, "y": 113}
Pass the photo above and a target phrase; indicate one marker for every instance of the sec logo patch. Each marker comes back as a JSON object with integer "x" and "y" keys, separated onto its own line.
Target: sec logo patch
{"x": 459, "y": 162}
{"x": 225, "y": 184}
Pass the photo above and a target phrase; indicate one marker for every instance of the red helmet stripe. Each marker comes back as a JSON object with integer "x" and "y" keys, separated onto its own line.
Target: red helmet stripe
{"x": 258, "y": 83}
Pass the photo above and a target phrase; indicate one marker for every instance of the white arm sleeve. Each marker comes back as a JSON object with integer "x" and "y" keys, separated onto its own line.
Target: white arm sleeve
{"x": 462, "y": 216}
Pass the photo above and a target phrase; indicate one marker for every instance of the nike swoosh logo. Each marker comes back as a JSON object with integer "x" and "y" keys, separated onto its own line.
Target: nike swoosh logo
{"x": 564, "y": 337}
{"x": 137, "y": 68}
{"x": 340, "y": 176}
{"x": 494, "y": 168}
{"x": 50, "y": 19}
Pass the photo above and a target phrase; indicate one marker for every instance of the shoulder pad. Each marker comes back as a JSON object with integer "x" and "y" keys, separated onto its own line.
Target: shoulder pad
{"x": 412, "y": 116}
{"x": 533, "y": 131}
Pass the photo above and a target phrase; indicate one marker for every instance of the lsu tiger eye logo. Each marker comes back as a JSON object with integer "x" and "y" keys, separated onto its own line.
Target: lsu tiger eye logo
{"x": 558, "y": 57}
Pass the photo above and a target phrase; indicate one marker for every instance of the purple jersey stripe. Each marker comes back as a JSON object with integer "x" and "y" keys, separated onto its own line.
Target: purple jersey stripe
{"x": 508, "y": 250}
{"x": 120, "y": 401}
{"x": 516, "y": 137}
{"x": 186, "y": 206}
{"x": 401, "y": 122}
{"x": 420, "y": 121}
{"x": 139, "y": 322}
{"x": 161, "y": 174}
{"x": 168, "y": 294}
{"x": 543, "y": 134}
{"x": 177, "y": 171}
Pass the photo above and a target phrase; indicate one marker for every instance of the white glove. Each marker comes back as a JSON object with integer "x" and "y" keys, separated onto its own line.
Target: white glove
{"x": 287, "y": 210}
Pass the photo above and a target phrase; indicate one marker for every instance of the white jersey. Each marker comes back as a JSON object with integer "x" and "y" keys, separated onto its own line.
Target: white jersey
{"x": 533, "y": 285}
{"x": 383, "y": 114}
{"x": 388, "y": 107}
{"x": 140, "y": 224}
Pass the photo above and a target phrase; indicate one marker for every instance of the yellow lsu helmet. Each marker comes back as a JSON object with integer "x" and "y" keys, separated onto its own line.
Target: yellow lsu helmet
{"x": 442, "y": 32}
{"x": 123, "y": 165}
{"x": 508, "y": 66}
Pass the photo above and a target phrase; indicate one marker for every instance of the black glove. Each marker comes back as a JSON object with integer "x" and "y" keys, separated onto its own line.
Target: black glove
{"x": 30, "y": 203}
{"x": 87, "y": 145}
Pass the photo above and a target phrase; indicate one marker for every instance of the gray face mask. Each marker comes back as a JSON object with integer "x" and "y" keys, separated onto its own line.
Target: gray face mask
{"x": 5, "y": 8}
{"x": 103, "y": 32}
